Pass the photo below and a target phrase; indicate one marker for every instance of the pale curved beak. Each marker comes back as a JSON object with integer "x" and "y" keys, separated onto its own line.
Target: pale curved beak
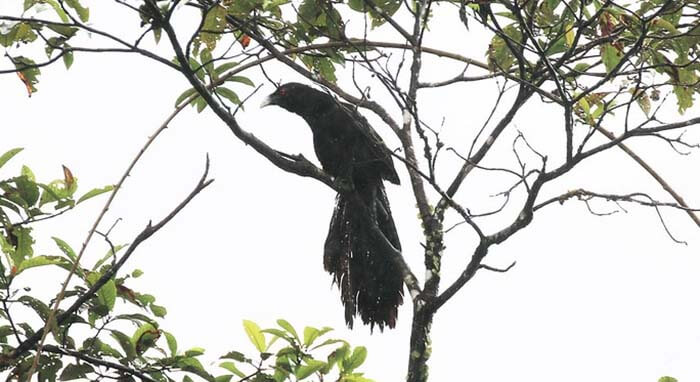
{"x": 269, "y": 100}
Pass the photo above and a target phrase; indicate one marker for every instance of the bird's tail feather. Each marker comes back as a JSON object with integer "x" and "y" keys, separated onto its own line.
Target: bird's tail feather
{"x": 369, "y": 280}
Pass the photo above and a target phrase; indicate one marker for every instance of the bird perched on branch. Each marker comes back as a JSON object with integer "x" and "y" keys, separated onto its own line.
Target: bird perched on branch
{"x": 358, "y": 250}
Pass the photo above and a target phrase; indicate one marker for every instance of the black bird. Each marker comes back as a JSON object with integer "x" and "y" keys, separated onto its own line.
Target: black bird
{"x": 353, "y": 153}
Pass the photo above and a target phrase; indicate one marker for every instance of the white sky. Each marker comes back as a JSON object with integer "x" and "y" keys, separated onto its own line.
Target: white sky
{"x": 591, "y": 298}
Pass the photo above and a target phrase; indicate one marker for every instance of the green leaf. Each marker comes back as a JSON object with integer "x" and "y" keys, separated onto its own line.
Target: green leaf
{"x": 23, "y": 249}
{"x": 48, "y": 195}
{"x": 311, "y": 367}
{"x": 186, "y": 94}
{"x": 158, "y": 311}
{"x": 597, "y": 112}
{"x": 667, "y": 379}
{"x": 214, "y": 24}
{"x": 329, "y": 342}
{"x": 326, "y": 69}
{"x": 288, "y": 327}
{"x": 37, "y": 305}
{"x": 172, "y": 343}
{"x": 197, "y": 68}
{"x": 25, "y": 33}
{"x": 83, "y": 12}
{"x": 665, "y": 25}
{"x": 63, "y": 246}
{"x": 5, "y": 331}
{"x": 581, "y": 67}
{"x": 94, "y": 192}
{"x": 272, "y": 5}
{"x": 6, "y": 248}
{"x": 59, "y": 190}
{"x": 570, "y": 35}
{"x": 125, "y": 343}
{"x": 38, "y": 261}
{"x": 324, "y": 330}
{"x": 59, "y": 11}
{"x": 136, "y": 273}
{"x": 7, "y": 204}
{"x": 338, "y": 355}
{"x": 75, "y": 371}
{"x": 224, "y": 378}
{"x": 241, "y": 79}
{"x": 558, "y": 46}
{"x": 235, "y": 355}
{"x": 207, "y": 61}
{"x": 684, "y": 88}
{"x": 106, "y": 349}
{"x": 29, "y": 3}
{"x": 145, "y": 337}
{"x": 499, "y": 57}
{"x": 200, "y": 103}
{"x": 68, "y": 58}
{"x": 228, "y": 94}
{"x": 107, "y": 294}
{"x": 194, "y": 352}
{"x": 388, "y": 6}
{"x": 137, "y": 318}
{"x": 310, "y": 334}
{"x": 193, "y": 365}
{"x": 279, "y": 334}
{"x": 146, "y": 299}
{"x": 356, "y": 359}
{"x": 27, "y": 189}
{"x": 610, "y": 55}
{"x": 230, "y": 366}
{"x": 357, "y": 377}
{"x": 585, "y": 106}
{"x": 254, "y": 334}
{"x": 8, "y": 155}
{"x": 65, "y": 31}
{"x": 225, "y": 67}
{"x": 29, "y": 70}
{"x": 26, "y": 171}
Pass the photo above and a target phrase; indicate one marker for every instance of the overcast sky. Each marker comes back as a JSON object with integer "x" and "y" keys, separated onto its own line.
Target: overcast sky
{"x": 591, "y": 298}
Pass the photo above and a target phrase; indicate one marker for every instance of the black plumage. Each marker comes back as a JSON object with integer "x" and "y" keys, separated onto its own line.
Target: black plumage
{"x": 352, "y": 152}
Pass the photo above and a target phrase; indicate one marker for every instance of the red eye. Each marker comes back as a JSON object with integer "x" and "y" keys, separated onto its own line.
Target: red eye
{"x": 282, "y": 92}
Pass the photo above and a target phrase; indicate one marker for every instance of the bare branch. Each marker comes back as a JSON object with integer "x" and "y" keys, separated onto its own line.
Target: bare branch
{"x": 498, "y": 270}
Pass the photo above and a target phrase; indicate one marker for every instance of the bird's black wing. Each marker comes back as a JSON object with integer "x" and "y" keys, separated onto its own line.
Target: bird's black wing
{"x": 374, "y": 143}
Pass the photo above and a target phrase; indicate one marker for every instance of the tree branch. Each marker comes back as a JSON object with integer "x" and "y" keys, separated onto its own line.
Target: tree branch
{"x": 98, "y": 361}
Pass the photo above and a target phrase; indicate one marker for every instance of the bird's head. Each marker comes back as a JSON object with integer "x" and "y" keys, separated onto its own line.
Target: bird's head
{"x": 297, "y": 98}
{"x": 286, "y": 95}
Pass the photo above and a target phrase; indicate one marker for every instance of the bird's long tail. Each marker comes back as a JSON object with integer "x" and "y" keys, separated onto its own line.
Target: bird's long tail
{"x": 370, "y": 281}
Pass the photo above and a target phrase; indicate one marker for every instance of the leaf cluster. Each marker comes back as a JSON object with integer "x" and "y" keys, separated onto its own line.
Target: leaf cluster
{"x": 585, "y": 42}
